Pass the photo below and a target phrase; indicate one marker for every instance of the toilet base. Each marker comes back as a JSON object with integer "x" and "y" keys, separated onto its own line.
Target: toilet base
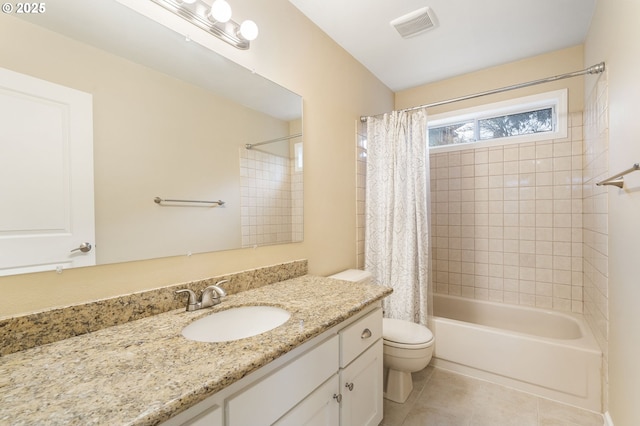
{"x": 398, "y": 385}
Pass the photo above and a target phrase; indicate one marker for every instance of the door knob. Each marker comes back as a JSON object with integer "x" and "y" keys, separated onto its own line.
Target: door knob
{"x": 84, "y": 247}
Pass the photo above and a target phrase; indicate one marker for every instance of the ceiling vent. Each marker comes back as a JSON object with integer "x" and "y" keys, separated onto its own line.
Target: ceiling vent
{"x": 415, "y": 22}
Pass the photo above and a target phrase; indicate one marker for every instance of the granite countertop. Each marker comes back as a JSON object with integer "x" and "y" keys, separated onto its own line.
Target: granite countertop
{"x": 144, "y": 372}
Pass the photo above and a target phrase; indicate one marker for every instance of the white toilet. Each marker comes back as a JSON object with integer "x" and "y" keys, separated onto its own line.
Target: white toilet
{"x": 408, "y": 347}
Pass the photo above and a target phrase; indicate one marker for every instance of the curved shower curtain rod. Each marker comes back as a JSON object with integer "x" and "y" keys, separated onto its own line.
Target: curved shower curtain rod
{"x": 595, "y": 69}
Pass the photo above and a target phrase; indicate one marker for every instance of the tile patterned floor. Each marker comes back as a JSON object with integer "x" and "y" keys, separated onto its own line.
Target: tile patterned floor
{"x": 444, "y": 398}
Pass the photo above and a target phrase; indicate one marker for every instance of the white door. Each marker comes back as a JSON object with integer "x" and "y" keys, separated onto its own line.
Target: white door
{"x": 46, "y": 175}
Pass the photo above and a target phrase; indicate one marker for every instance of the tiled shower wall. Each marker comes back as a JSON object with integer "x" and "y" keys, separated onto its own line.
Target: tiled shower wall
{"x": 507, "y": 222}
{"x": 595, "y": 217}
{"x": 271, "y": 199}
{"x": 297, "y": 204}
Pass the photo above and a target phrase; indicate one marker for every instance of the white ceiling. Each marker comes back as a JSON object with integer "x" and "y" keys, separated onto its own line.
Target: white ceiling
{"x": 470, "y": 34}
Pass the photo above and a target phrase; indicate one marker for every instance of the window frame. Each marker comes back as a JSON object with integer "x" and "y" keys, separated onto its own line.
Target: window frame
{"x": 556, "y": 99}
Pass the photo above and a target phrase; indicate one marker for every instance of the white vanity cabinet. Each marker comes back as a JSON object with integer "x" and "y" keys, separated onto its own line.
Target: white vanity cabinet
{"x": 213, "y": 416}
{"x": 361, "y": 388}
{"x": 357, "y": 386}
{"x": 264, "y": 402}
{"x": 334, "y": 379}
{"x": 321, "y": 408}
{"x": 209, "y": 412}
{"x": 361, "y": 371}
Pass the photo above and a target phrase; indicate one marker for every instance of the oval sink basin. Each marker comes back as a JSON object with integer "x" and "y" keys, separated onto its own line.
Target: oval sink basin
{"x": 236, "y": 323}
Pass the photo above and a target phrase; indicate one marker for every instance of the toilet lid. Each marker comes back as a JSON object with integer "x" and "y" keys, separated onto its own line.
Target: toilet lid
{"x": 405, "y": 332}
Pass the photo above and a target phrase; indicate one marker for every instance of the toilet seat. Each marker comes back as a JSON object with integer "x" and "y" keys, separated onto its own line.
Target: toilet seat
{"x": 405, "y": 334}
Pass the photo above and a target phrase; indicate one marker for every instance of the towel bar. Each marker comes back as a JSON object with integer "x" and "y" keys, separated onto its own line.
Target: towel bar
{"x": 159, "y": 200}
{"x": 618, "y": 180}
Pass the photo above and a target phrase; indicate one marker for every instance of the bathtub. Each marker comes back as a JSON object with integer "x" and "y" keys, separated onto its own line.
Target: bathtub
{"x": 546, "y": 353}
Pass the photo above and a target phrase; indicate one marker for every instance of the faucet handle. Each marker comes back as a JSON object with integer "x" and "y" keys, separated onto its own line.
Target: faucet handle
{"x": 219, "y": 289}
{"x": 192, "y": 301}
{"x": 211, "y": 296}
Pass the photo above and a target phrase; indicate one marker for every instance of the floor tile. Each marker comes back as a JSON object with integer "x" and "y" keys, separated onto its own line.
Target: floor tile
{"x": 554, "y": 413}
{"x": 430, "y": 416}
{"x": 394, "y": 413}
{"x": 445, "y": 398}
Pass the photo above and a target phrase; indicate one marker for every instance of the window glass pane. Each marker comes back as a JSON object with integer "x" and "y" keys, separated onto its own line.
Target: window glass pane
{"x": 452, "y": 134}
{"x": 516, "y": 124}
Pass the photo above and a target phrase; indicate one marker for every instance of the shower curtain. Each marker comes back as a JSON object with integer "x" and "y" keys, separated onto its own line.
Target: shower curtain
{"x": 397, "y": 212}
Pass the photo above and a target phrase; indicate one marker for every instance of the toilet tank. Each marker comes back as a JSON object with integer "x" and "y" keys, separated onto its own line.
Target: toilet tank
{"x": 353, "y": 275}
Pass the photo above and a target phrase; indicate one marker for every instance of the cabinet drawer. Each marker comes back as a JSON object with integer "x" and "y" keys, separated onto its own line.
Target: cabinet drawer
{"x": 357, "y": 337}
{"x": 270, "y": 398}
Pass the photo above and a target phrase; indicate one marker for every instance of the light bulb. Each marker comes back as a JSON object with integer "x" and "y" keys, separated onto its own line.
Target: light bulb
{"x": 220, "y": 11}
{"x": 249, "y": 30}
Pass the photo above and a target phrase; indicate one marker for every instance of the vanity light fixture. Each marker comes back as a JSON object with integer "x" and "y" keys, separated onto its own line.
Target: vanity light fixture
{"x": 220, "y": 11}
{"x": 214, "y": 18}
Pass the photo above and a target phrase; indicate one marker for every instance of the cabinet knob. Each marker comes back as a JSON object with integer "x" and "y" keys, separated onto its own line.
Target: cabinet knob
{"x": 349, "y": 386}
{"x": 366, "y": 333}
{"x": 338, "y": 397}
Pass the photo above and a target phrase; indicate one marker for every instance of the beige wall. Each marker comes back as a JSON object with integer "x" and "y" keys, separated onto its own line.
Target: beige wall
{"x": 613, "y": 38}
{"x": 336, "y": 91}
{"x": 530, "y": 69}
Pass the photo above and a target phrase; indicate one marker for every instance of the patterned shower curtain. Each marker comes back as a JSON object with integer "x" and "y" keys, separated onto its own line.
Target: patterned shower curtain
{"x": 397, "y": 212}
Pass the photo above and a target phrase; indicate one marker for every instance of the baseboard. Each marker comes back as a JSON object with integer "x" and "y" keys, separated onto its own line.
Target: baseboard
{"x": 608, "y": 421}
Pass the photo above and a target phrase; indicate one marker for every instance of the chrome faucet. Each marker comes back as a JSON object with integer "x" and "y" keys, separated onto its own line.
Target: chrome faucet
{"x": 210, "y": 296}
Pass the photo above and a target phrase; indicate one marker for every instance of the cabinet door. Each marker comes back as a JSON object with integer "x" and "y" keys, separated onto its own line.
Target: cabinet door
{"x": 206, "y": 413}
{"x": 269, "y": 399}
{"x": 361, "y": 389}
{"x": 213, "y": 417}
{"x": 321, "y": 408}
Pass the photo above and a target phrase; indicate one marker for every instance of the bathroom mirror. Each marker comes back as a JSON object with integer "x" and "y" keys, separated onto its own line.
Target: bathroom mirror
{"x": 171, "y": 120}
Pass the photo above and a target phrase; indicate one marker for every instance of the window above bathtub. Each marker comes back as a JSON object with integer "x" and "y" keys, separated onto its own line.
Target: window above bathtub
{"x": 526, "y": 119}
